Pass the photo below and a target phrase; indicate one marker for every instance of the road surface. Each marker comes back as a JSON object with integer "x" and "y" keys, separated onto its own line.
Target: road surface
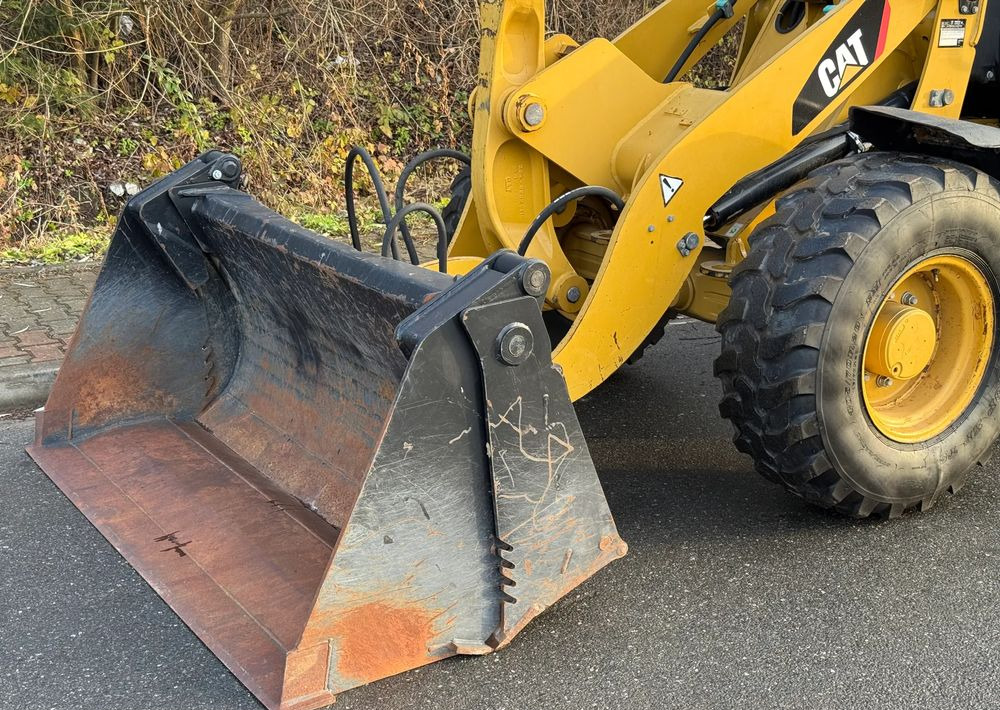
{"x": 734, "y": 594}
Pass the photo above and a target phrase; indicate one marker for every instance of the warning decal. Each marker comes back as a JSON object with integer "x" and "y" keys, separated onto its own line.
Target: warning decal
{"x": 952, "y": 33}
{"x": 670, "y": 186}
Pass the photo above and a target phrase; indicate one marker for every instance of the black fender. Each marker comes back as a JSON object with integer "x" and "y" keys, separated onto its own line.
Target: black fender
{"x": 905, "y": 131}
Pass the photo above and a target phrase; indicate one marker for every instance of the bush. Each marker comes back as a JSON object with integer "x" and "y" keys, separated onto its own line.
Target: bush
{"x": 102, "y": 92}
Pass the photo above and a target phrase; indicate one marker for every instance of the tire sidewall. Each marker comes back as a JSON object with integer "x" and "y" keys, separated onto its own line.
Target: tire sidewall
{"x": 959, "y": 221}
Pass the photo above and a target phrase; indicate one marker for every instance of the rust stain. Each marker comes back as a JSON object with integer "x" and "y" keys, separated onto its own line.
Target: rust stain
{"x": 115, "y": 386}
{"x": 378, "y": 640}
{"x": 305, "y": 675}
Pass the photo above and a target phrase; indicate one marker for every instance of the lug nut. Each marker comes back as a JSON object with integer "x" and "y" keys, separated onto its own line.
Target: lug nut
{"x": 908, "y": 299}
{"x": 883, "y": 381}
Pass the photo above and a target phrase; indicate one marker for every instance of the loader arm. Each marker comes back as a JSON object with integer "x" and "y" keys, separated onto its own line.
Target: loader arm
{"x": 602, "y": 116}
{"x": 336, "y": 467}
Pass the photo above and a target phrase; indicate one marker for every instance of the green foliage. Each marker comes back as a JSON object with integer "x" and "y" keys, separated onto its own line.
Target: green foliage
{"x": 74, "y": 246}
{"x": 98, "y": 92}
{"x": 330, "y": 224}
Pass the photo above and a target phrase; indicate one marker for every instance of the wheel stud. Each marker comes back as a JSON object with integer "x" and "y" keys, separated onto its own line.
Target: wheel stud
{"x": 909, "y": 299}
{"x": 883, "y": 381}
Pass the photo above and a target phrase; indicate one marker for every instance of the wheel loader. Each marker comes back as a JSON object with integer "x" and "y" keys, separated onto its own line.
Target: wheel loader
{"x": 337, "y": 466}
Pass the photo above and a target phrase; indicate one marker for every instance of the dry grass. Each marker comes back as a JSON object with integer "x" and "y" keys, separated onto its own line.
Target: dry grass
{"x": 97, "y": 92}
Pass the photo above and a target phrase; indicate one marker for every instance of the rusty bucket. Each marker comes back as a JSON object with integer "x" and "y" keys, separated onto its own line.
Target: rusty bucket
{"x": 334, "y": 467}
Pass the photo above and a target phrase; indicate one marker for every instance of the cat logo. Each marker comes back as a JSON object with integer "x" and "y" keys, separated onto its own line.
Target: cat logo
{"x": 850, "y": 54}
{"x": 858, "y": 46}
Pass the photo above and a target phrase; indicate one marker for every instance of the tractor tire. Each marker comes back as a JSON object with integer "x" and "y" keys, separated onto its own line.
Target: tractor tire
{"x": 796, "y": 336}
{"x": 461, "y": 189}
{"x": 654, "y": 337}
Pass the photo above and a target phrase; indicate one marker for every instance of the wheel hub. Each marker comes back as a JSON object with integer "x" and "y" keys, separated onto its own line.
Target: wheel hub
{"x": 927, "y": 349}
{"x": 901, "y": 343}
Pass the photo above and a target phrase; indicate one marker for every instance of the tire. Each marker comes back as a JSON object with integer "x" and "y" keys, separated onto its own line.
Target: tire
{"x": 654, "y": 337}
{"x": 461, "y": 189}
{"x": 803, "y": 302}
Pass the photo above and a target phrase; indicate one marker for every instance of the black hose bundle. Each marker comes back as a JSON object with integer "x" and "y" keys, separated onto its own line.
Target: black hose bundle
{"x": 395, "y": 223}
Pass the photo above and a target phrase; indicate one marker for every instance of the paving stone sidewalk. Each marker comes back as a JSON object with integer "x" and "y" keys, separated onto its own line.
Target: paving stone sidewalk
{"x": 39, "y": 310}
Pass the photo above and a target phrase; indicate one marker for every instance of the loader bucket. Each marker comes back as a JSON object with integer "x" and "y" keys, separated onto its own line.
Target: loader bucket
{"x": 334, "y": 467}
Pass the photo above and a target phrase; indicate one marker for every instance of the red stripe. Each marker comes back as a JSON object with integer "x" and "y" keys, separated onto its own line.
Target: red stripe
{"x": 883, "y": 34}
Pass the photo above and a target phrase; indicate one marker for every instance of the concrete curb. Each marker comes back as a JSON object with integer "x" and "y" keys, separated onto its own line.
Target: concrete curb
{"x": 26, "y": 386}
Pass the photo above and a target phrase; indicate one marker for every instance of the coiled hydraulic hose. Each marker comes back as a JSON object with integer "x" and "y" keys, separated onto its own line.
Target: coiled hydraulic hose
{"x": 395, "y": 223}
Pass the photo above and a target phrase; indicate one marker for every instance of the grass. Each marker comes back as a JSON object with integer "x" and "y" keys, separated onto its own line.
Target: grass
{"x": 84, "y": 245}
{"x": 71, "y": 246}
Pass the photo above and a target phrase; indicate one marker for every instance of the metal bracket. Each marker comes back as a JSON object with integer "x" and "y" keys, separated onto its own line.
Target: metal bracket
{"x": 164, "y": 209}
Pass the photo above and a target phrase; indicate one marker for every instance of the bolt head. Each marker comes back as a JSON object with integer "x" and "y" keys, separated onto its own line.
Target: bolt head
{"x": 909, "y": 299}
{"x": 883, "y": 381}
{"x": 216, "y": 174}
{"x": 573, "y": 295}
{"x": 534, "y": 114}
{"x": 692, "y": 241}
{"x": 536, "y": 279}
{"x": 515, "y": 344}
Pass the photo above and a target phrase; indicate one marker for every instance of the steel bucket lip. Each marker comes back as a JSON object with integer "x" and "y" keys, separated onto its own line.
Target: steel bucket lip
{"x": 227, "y": 210}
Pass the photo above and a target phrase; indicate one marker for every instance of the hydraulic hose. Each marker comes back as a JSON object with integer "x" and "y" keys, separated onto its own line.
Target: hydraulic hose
{"x": 383, "y": 199}
{"x": 395, "y": 223}
{"x": 561, "y": 203}
{"x": 411, "y": 167}
{"x": 723, "y": 10}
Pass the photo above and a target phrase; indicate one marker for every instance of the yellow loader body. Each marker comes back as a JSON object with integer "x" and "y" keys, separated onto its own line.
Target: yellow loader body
{"x": 336, "y": 467}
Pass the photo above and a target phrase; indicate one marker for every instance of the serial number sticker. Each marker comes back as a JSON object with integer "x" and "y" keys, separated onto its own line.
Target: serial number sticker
{"x": 952, "y": 33}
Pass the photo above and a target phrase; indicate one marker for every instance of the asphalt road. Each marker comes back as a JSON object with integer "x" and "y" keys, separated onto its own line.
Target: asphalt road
{"x": 734, "y": 594}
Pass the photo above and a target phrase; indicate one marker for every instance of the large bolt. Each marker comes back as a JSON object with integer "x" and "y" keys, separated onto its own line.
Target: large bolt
{"x": 573, "y": 295}
{"x": 688, "y": 243}
{"x": 227, "y": 168}
{"x": 534, "y": 114}
{"x": 515, "y": 344}
{"x": 535, "y": 279}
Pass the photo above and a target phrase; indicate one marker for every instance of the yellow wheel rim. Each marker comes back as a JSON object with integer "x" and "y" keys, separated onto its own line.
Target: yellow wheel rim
{"x": 927, "y": 350}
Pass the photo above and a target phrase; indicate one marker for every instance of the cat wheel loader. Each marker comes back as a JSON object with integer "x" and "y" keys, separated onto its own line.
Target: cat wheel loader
{"x": 337, "y": 466}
